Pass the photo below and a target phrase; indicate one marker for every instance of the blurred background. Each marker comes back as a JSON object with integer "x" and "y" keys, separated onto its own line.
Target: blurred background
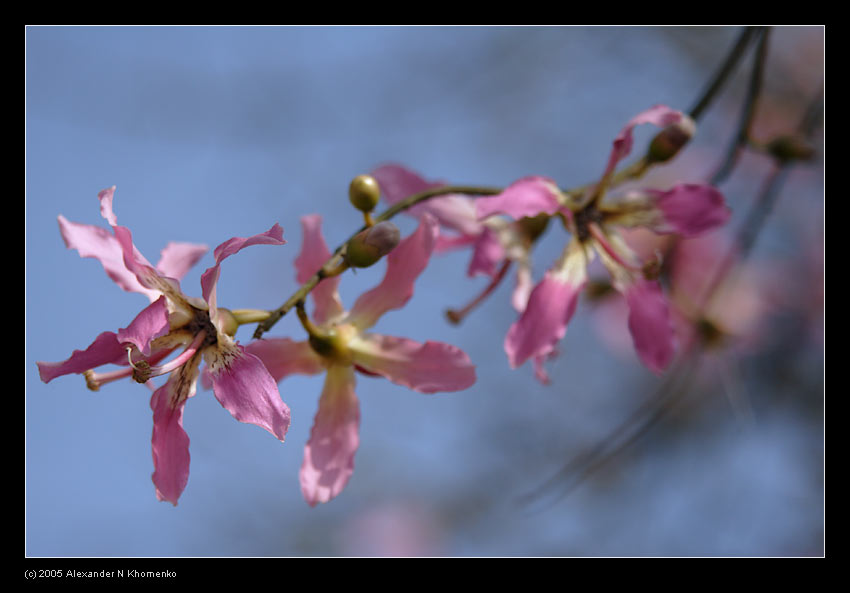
{"x": 215, "y": 132}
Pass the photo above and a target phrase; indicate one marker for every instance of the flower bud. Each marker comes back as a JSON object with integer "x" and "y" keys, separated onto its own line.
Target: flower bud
{"x": 364, "y": 193}
{"x": 370, "y": 245}
{"x": 669, "y": 141}
{"x": 790, "y": 148}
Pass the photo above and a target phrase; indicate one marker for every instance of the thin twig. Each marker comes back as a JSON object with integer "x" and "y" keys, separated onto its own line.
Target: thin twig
{"x": 721, "y": 76}
{"x": 763, "y": 205}
{"x": 652, "y": 411}
{"x": 337, "y": 258}
{"x": 745, "y": 121}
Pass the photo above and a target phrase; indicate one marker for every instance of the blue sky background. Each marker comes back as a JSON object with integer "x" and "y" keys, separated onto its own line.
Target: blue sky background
{"x": 210, "y": 133}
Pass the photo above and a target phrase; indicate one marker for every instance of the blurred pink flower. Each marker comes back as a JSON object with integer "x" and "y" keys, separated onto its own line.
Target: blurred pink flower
{"x": 339, "y": 345}
{"x": 496, "y": 243}
{"x": 685, "y": 210}
{"x": 173, "y": 320}
{"x": 733, "y": 316}
{"x": 393, "y": 529}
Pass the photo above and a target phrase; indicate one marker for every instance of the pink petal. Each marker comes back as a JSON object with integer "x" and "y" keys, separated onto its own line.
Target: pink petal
{"x": 539, "y": 370}
{"x": 169, "y": 443}
{"x": 544, "y": 322}
{"x": 244, "y": 387}
{"x": 523, "y": 287}
{"x": 453, "y": 211}
{"x": 650, "y": 324}
{"x": 273, "y": 236}
{"x": 176, "y": 259}
{"x": 528, "y": 196}
{"x": 314, "y": 254}
{"x": 105, "y": 349}
{"x": 329, "y": 454}
{"x": 209, "y": 279}
{"x": 145, "y": 273}
{"x": 404, "y": 264}
{"x": 148, "y": 325}
{"x": 283, "y": 357}
{"x": 448, "y": 242}
{"x": 659, "y": 115}
{"x": 695, "y": 264}
{"x": 105, "y": 196}
{"x": 398, "y": 182}
{"x": 486, "y": 254}
{"x": 690, "y": 209}
{"x": 98, "y": 243}
{"x": 134, "y": 261}
{"x": 428, "y": 367}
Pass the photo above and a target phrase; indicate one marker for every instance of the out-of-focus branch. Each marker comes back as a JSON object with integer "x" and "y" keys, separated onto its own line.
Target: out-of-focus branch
{"x": 763, "y": 205}
{"x": 723, "y": 73}
{"x": 748, "y": 110}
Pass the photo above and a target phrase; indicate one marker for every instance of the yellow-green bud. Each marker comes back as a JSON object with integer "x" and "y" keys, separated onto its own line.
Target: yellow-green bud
{"x": 364, "y": 193}
{"x": 368, "y": 246}
{"x": 669, "y": 141}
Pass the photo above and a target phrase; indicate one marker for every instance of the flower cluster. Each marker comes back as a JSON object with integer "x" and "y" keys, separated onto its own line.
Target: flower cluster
{"x": 175, "y": 333}
{"x": 593, "y": 220}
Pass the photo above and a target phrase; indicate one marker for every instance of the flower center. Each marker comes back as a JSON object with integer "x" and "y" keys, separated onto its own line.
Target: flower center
{"x": 332, "y": 343}
{"x": 583, "y": 219}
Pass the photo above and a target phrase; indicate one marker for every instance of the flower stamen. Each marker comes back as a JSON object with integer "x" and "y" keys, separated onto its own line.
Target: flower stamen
{"x": 142, "y": 371}
{"x": 94, "y": 380}
{"x": 456, "y": 315}
{"x": 603, "y": 242}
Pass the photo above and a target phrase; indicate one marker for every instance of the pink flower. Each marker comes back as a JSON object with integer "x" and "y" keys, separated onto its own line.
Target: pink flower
{"x": 495, "y": 243}
{"x": 339, "y": 345}
{"x": 172, "y": 321}
{"x": 713, "y": 310}
{"x": 686, "y": 209}
{"x": 709, "y": 311}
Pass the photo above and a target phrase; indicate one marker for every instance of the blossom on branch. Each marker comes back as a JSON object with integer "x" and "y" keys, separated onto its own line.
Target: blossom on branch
{"x": 172, "y": 321}
{"x": 495, "y": 243}
{"x": 686, "y": 210}
{"x": 339, "y": 344}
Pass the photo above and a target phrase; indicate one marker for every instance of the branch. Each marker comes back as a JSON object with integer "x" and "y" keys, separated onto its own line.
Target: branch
{"x": 337, "y": 259}
{"x": 719, "y": 79}
{"x": 742, "y": 134}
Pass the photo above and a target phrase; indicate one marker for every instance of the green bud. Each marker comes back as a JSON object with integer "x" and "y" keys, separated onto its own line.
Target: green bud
{"x": 364, "y": 193}
{"x": 669, "y": 141}
{"x": 368, "y": 246}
